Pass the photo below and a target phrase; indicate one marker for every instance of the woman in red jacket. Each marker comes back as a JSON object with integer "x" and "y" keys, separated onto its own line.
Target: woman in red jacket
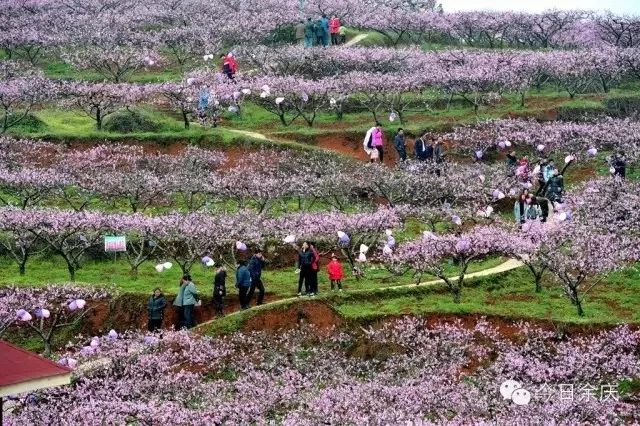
{"x": 335, "y": 272}
{"x": 334, "y": 30}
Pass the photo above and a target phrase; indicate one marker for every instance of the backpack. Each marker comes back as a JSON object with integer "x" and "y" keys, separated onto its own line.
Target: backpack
{"x": 370, "y": 141}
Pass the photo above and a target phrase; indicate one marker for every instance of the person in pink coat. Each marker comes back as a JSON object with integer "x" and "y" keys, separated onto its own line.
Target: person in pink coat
{"x": 334, "y": 30}
{"x": 377, "y": 141}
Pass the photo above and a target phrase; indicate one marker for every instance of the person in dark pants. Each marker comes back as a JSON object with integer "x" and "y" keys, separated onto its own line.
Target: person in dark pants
{"x": 400, "y": 144}
{"x": 315, "y": 267}
{"x": 555, "y": 188}
{"x": 305, "y": 260}
{"x": 541, "y": 203}
{"x": 155, "y": 307}
{"x": 189, "y": 297}
{"x": 256, "y": 263}
{"x": 177, "y": 303}
{"x": 619, "y": 164}
{"x": 219, "y": 290}
{"x": 243, "y": 284}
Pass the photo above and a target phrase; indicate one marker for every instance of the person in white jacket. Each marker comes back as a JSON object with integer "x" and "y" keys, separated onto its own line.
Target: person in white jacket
{"x": 367, "y": 144}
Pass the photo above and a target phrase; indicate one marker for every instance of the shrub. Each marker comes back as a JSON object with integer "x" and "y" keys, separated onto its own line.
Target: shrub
{"x": 130, "y": 121}
{"x": 580, "y": 113}
{"x": 623, "y": 106}
{"x": 31, "y": 124}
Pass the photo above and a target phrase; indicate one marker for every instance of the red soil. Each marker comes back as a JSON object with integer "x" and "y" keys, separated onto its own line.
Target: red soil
{"x": 315, "y": 313}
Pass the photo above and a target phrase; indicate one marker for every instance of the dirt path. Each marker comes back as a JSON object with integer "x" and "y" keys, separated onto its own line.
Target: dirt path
{"x": 254, "y": 135}
{"x": 503, "y": 267}
{"x": 357, "y": 39}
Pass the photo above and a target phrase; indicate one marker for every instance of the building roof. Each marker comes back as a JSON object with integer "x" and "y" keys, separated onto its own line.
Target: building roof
{"x": 23, "y": 371}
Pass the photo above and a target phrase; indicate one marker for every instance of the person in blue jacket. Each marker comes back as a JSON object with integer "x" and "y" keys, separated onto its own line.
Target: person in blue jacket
{"x": 243, "y": 283}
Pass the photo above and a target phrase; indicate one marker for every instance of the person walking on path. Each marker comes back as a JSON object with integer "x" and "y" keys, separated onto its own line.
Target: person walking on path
{"x": 155, "y": 307}
{"x": 309, "y": 33}
{"x": 399, "y": 142}
{"x": 219, "y": 290}
{"x": 377, "y": 141}
{"x": 190, "y": 297}
{"x": 243, "y": 284}
{"x": 299, "y": 31}
{"x": 334, "y": 30}
{"x": 305, "y": 260}
{"x": 256, "y": 263}
{"x": 336, "y": 274}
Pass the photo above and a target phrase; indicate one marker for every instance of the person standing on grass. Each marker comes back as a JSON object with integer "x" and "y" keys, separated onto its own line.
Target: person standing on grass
{"x": 324, "y": 21}
{"x": 243, "y": 284}
{"x": 256, "y": 263}
{"x": 377, "y": 141}
{"x": 189, "y": 297}
{"x": 229, "y": 66}
{"x": 299, "y": 33}
{"x": 438, "y": 152}
{"x": 177, "y": 303}
{"x": 420, "y": 148}
{"x": 318, "y": 27}
{"x": 512, "y": 161}
{"x": 155, "y": 307}
{"x": 309, "y": 33}
{"x": 219, "y": 290}
{"x": 400, "y": 144}
{"x": 520, "y": 207}
{"x": 315, "y": 268}
{"x": 336, "y": 274}
{"x": 334, "y": 29}
{"x": 305, "y": 260}
{"x": 555, "y": 188}
{"x": 619, "y": 165}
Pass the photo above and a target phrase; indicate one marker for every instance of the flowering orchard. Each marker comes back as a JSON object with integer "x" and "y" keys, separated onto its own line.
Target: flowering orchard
{"x": 444, "y": 373}
{"x": 559, "y": 196}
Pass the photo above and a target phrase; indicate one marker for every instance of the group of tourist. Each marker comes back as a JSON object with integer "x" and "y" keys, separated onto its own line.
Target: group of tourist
{"x": 321, "y": 32}
{"x": 248, "y": 280}
{"x": 426, "y": 147}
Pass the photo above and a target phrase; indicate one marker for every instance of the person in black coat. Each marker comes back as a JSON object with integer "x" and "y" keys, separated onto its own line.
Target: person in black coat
{"x": 424, "y": 148}
{"x": 305, "y": 263}
{"x": 619, "y": 163}
{"x": 219, "y": 290}
{"x": 555, "y": 188}
{"x": 155, "y": 307}
{"x": 256, "y": 263}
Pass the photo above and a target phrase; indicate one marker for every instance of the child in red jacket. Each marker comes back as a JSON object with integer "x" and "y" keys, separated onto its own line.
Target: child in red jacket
{"x": 335, "y": 272}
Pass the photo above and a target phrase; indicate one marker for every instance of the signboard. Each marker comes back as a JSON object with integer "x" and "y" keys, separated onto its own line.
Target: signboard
{"x": 114, "y": 244}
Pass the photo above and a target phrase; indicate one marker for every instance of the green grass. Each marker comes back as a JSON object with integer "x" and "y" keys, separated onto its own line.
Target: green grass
{"x": 280, "y": 283}
{"x": 508, "y": 295}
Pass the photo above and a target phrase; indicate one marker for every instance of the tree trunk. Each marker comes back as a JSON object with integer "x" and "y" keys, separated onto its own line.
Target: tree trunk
{"x": 21, "y": 268}
{"x": 98, "y": 119}
{"x": 456, "y": 294}
{"x": 72, "y": 271}
{"x": 185, "y": 118}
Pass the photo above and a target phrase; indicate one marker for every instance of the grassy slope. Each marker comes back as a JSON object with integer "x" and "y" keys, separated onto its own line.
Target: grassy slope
{"x": 509, "y": 295}
{"x": 281, "y": 283}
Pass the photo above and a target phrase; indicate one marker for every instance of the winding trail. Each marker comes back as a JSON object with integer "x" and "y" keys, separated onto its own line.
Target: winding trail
{"x": 509, "y": 265}
{"x": 247, "y": 133}
{"x": 357, "y": 39}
